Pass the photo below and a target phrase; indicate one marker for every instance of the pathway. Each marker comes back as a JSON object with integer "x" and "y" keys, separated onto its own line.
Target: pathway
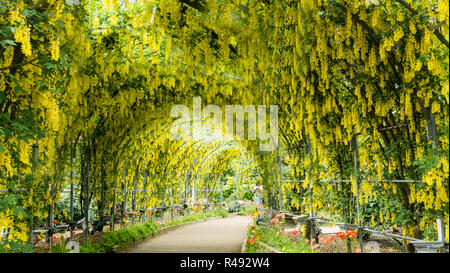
{"x": 212, "y": 236}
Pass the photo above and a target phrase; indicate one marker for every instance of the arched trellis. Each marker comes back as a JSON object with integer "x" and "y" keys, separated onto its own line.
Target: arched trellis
{"x": 221, "y": 146}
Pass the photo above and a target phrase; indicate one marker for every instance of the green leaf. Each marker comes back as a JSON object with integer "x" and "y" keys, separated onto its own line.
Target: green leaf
{"x": 60, "y": 24}
{"x": 18, "y": 89}
{"x": 20, "y": 210}
{"x": 19, "y": 125}
{"x": 7, "y": 43}
{"x": 50, "y": 66}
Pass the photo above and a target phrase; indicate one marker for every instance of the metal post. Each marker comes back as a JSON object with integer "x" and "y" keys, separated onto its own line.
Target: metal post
{"x": 162, "y": 211}
{"x": 113, "y": 216}
{"x": 311, "y": 209}
{"x": 35, "y": 163}
{"x": 206, "y": 194}
{"x": 358, "y": 209}
{"x": 71, "y": 204}
{"x": 135, "y": 180}
{"x": 193, "y": 188}
{"x": 178, "y": 202}
{"x": 237, "y": 191}
{"x": 86, "y": 205}
{"x": 186, "y": 186}
{"x": 71, "y": 193}
{"x": 171, "y": 201}
{"x": 279, "y": 177}
{"x": 153, "y": 187}
{"x": 124, "y": 208}
{"x": 133, "y": 205}
{"x": 145, "y": 195}
{"x": 50, "y": 219}
{"x": 432, "y": 133}
{"x": 162, "y": 205}
{"x": 221, "y": 190}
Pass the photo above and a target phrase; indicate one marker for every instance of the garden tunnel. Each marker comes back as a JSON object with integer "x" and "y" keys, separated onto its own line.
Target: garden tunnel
{"x": 361, "y": 89}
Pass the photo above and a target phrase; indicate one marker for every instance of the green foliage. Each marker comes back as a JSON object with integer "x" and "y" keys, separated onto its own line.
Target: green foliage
{"x": 222, "y": 213}
{"x": 245, "y": 209}
{"x": 248, "y": 195}
{"x": 121, "y": 237}
{"x": 62, "y": 209}
{"x": 13, "y": 246}
{"x": 227, "y": 193}
{"x": 59, "y": 248}
{"x": 196, "y": 217}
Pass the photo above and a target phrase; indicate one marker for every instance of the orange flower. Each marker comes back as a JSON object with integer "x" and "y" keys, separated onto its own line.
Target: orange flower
{"x": 352, "y": 235}
{"x": 358, "y": 250}
{"x": 307, "y": 240}
{"x": 55, "y": 221}
{"x": 349, "y": 231}
{"x": 329, "y": 240}
{"x": 340, "y": 234}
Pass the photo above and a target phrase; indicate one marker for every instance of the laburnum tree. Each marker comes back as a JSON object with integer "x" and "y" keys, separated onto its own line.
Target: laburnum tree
{"x": 86, "y": 89}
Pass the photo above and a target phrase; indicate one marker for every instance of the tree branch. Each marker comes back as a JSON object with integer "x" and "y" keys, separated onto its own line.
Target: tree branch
{"x": 196, "y": 4}
{"x": 436, "y": 32}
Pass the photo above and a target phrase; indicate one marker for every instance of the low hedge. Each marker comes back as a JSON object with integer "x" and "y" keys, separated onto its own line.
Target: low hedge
{"x": 121, "y": 237}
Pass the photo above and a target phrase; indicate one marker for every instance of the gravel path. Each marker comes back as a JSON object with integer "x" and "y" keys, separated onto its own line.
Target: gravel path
{"x": 213, "y": 236}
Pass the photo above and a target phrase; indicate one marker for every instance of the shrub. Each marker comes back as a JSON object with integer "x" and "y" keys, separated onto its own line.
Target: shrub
{"x": 121, "y": 237}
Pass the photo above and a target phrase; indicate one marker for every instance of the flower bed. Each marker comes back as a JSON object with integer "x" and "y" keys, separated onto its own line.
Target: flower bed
{"x": 274, "y": 236}
{"x": 287, "y": 242}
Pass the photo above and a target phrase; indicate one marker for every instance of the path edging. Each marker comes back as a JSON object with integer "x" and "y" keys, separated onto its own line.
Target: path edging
{"x": 244, "y": 244}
